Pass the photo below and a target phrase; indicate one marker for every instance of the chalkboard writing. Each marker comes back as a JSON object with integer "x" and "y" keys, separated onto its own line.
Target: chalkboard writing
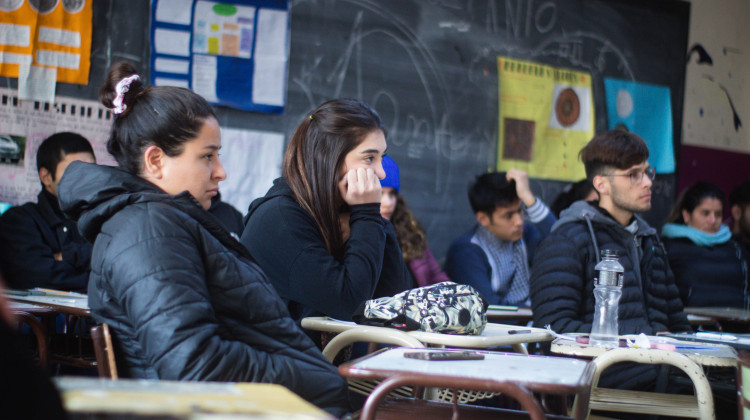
{"x": 429, "y": 68}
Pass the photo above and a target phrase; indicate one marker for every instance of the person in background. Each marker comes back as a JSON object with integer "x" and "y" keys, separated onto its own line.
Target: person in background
{"x": 709, "y": 266}
{"x": 739, "y": 206}
{"x": 39, "y": 246}
{"x": 562, "y": 275}
{"x": 184, "y": 299}
{"x": 229, "y": 216}
{"x": 581, "y": 190}
{"x": 412, "y": 238}
{"x": 317, "y": 232}
{"x": 494, "y": 256}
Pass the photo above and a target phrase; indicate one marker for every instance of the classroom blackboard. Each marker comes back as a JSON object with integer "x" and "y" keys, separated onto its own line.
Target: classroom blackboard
{"x": 429, "y": 68}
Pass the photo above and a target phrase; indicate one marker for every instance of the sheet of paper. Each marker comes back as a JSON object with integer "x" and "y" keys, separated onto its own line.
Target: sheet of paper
{"x": 174, "y": 11}
{"x": 168, "y": 41}
{"x": 36, "y": 83}
{"x": 252, "y": 160}
{"x": 204, "y": 76}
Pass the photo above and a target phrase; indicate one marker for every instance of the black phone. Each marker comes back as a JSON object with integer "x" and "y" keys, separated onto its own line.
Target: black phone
{"x": 444, "y": 355}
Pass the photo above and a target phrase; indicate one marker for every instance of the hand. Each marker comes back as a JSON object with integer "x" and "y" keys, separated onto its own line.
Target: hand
{"x": 346, "y": 230}
{"x": 522, "y": 186}
{"x": 57, "y": 256}
{"x": 360, "y": 186}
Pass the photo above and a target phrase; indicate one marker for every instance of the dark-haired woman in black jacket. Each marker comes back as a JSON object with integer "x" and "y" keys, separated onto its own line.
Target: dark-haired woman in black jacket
{"x": 185, "y": 299}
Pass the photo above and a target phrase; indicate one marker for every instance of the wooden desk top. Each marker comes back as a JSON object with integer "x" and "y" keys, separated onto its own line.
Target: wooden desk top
{"x": 493, "y": 335}
{"x": 183, "y": 399}
{"x": 536, "y": 373}
{"x": 721, "y": 314}
{"x": 701, "y": 353}
{"x": 72, "y": 305}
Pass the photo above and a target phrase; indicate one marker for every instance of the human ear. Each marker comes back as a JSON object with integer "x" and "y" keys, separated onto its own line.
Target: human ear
{"x": 601, "y": 184}
{"x": 483, "y": 218}
{"x": 686, "y": 216}
{"x": 736, "y": 212}
{"x": 46, "y": 177}
{"x": 153, "y": 162}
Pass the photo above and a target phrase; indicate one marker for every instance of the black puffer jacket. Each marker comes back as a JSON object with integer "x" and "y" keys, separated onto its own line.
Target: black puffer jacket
{"x": 185, "y": 299}
{"x": 562, "y": 287}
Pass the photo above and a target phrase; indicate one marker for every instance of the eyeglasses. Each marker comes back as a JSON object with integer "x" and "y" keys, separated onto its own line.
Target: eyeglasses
{"x": 637, "y": 176}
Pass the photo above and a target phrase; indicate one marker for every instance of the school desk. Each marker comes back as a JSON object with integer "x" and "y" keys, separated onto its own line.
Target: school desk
{"x": 687, "y": 356}
{"x": 132, "y": 398}
{"x": 500, "y": 314}
{"x": 730, "y": 319}
{"x": 493, "y": 335}
{"x": 515, "y": 375}
{"x": 63, "y": 302}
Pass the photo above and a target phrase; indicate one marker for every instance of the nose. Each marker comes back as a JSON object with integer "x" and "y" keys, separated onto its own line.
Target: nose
{"x": 647, "y": 181}
{"x": 379, "y": 171}
{"x": 219, "y": 173}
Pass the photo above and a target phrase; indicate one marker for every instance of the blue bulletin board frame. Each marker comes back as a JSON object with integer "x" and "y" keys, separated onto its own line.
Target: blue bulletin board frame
{"x": 234, "y": 86}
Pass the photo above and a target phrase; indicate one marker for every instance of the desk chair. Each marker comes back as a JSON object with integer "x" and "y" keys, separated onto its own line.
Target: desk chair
{"x": 743, "y": 385}
{"x": 104, "y": 351}
{"x": 40, "y": 334}
{"x": 700, "y": 405}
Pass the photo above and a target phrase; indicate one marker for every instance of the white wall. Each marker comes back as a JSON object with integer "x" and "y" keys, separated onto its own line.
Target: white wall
{"x": 722, "y": 27}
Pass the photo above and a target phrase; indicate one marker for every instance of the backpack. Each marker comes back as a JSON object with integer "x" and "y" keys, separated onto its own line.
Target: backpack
{"x": 445, "y": 307}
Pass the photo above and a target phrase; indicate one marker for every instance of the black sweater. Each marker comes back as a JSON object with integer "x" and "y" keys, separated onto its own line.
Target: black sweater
{"x": 285, "y": 240}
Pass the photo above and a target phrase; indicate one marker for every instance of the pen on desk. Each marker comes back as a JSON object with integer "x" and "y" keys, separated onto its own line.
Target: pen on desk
{"x": 716, "y": 336}
{"x": 519, "y": 332}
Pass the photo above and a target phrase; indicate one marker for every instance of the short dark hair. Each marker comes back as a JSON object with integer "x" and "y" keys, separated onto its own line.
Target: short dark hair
{"x": 163, "y": 116}
{"x": 492, "y": 190}
{"x": 692, "y": 198}
{"x": 54, "y": 148}
{"x": 740, "y": 195}
{"x": 612, "y": 149}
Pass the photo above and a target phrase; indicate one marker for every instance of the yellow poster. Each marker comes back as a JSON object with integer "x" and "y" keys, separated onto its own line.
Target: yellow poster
{"x": 53, "y": 34}
{"x": 546, "y": 117}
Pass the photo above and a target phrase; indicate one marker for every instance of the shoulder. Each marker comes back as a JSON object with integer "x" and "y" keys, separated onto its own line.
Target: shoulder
{"x": 463, "y": 242}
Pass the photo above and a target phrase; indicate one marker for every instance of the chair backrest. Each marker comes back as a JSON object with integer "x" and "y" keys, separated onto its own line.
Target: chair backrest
{"x": 104, "y": 351}
{"x": 743, "y": 385}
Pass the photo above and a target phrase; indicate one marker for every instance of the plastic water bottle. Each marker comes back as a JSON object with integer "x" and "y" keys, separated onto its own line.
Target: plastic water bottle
{"x": 607, "y": 292}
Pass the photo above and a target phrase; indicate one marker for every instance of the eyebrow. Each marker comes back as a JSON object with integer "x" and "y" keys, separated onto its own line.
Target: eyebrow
{"x": 212, "y": 147}
{"x": 364, "y": 152}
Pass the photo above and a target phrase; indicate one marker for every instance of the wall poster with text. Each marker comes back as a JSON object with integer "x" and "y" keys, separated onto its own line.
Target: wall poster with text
{"x": 546, "y": 116}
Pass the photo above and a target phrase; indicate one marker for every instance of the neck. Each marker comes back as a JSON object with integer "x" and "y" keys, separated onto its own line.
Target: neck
{"x": 622, "y": 216}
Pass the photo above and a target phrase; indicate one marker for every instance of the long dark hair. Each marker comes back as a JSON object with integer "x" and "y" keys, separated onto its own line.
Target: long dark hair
{"x": 315, "y": 155}
{"x": 412, "y": 238}
{"x": 167, "y": 117}
{"x": 692, "y": 198}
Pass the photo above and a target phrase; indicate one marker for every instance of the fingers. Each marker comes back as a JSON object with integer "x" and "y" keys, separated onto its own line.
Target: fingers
{"x": 362, "y": 186}
{"x": 522, "y": 185}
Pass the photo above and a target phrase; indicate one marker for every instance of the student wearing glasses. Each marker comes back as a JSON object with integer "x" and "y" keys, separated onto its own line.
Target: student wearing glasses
{"x": 562, "y": 275}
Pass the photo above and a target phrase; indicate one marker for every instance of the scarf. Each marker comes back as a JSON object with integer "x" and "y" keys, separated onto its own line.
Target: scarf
{"x": 675, "y": 230}
{"x": 510, "y": 266}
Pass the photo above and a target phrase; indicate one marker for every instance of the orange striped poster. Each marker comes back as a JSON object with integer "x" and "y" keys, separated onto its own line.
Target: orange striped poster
{"x": 52, "y": 34}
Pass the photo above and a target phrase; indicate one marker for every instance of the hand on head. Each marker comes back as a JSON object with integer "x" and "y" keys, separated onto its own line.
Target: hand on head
{"x": 360, "y": 186}
{"x": 522, "y": 185}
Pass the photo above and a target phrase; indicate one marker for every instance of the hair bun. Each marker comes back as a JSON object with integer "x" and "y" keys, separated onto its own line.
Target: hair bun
{"x": 124, "y": 75}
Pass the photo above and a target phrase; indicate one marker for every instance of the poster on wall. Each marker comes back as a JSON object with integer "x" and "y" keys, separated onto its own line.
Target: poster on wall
{"x": 232, "y": 53}
{"x": 46, "y": 41}
{"x": 251, "y": 159}
{"x": 546, "y": 117}
{"x": 647, "y": 111}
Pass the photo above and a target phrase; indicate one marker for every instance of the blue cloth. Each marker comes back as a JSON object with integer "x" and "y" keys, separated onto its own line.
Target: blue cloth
{"x": 392, "y": 178}
{"x": 676, "y": 230}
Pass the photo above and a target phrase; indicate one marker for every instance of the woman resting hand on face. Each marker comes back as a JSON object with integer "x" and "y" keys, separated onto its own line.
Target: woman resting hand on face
{"x": 709, "y": 266}
{"x": 184, "y": 299}
{"x": 318, "y": 233}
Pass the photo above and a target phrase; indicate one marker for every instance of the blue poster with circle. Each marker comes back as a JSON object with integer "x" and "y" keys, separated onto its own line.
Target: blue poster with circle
{"x": 232, "y": 53}
{"x": 646, "y": 110}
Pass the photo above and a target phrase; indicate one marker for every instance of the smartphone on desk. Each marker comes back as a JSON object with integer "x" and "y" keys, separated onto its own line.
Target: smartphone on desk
{"x": 444, "y": 355}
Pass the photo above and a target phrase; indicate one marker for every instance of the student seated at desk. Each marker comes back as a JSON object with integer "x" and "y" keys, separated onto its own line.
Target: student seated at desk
{"x": 318, "y": 233}
{"x": 494, "y": 256}
{"x": 184, "y": 299}
{"x": 709, "y": 266}
{"x": 411, "y": 236}
{"x": 39, "y": 246}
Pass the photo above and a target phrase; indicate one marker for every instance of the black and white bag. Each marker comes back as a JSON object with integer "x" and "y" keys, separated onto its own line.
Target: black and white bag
{"x": 446, "y": 307}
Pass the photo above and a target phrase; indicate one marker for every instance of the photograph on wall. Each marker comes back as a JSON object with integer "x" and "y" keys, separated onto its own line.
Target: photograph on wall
{"x": 546, "y": 116}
